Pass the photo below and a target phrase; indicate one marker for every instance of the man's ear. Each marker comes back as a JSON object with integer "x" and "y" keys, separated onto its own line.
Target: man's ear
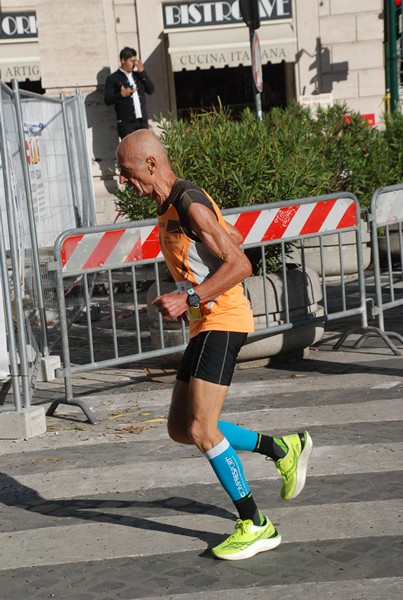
{"x": 151, "y": 163}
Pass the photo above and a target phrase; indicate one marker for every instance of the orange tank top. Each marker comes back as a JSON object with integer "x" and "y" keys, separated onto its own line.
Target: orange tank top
{"x": 190, "y": 263}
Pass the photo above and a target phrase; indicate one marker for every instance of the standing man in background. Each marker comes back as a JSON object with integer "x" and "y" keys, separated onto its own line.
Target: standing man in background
{"x": 126, "y": 89}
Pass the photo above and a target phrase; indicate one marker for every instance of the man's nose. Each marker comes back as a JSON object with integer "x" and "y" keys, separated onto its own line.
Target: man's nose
{"x": 122, "y": 178}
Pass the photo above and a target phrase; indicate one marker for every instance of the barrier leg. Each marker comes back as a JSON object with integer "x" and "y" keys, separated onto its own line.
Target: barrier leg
{"x": 368, "y": 332}
{"x": 385, "y": 336}
{"x": 86, "y": 410}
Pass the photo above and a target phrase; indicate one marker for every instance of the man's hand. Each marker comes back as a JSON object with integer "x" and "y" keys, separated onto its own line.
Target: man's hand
{"x": 171, "y": 306}
{"x": 139, "y": 65}
{"x": 126, "y": 91}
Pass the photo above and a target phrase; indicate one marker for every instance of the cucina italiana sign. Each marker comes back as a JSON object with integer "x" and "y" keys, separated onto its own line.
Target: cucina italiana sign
{"x": 232, "y": 57}
{"x": 220, "y": 12}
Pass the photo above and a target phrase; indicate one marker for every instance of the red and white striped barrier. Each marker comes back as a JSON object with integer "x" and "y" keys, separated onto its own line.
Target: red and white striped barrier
{"x": 118, "y": 247}
{"x": 289, "y": 222}
{"x": 109, "y": 249}
{"x": 387, "y": 206}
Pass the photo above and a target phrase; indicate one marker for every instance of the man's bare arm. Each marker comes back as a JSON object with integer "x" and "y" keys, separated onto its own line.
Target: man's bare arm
{"x": 234, "y": 267}
{"x": 234, "y": 233}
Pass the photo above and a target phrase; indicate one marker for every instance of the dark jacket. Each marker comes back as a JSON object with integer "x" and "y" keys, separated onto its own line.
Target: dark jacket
{"x": 124, "y": 106}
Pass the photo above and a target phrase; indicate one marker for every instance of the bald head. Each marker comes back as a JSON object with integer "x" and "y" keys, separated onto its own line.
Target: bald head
{"x": 144, "y": 165}
{"x": 141, "y": 144}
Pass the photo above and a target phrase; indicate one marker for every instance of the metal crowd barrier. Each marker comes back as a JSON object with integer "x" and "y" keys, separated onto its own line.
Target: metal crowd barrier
{"x": 386, "y": 219}
{"x": 45, "y": 187}
{"x": 121, "y": 254}
{"x": 115, "y": 253}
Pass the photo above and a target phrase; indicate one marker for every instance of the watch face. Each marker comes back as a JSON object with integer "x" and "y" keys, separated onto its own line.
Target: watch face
{"x": 194, "y": 300}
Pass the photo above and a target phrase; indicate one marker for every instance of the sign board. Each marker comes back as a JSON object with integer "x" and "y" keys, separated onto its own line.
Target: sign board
{"x": 18, "y": 26}
{"x": 20, "y": 69}
{"x": 314, "y": 100}
{"x": 219, "y": 12}
{"x": 257, "y": 62}
{"x": 203, "y": 58}
{"x": 369, "y": 118}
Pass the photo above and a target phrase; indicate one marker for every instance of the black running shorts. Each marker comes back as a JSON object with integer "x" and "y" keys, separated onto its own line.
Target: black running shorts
{"x": 211, "y": 356}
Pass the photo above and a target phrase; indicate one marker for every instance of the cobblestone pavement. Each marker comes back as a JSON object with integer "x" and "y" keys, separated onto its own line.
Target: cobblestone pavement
{"x": 117, "y": 511}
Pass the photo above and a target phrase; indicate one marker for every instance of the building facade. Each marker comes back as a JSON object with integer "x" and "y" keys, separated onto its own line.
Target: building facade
{"x": 195, "y": 52}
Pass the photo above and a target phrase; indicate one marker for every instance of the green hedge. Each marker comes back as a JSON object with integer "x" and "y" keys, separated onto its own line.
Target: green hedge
{"x": 286, "y": 155}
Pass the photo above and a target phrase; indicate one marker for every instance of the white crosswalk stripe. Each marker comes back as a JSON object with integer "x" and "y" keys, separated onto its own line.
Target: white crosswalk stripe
{"x": 194, "y": 469}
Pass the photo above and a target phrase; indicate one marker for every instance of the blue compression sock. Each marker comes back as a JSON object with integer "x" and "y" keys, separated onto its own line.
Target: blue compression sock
{"x": 238, "y": 437}
{"x": 228, "y": 469}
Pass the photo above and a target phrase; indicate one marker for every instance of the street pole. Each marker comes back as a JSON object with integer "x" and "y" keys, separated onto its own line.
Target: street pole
{"x": 386, "y": 55}
{"x": 249, "y": 10}
{"x": 391, "y": 57}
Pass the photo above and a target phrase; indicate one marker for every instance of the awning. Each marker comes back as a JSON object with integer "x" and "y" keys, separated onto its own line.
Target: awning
{"x": 229, "y": 46}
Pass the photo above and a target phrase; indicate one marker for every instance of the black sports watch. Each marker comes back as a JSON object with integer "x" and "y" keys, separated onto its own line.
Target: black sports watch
{"x": 193, "y": 299}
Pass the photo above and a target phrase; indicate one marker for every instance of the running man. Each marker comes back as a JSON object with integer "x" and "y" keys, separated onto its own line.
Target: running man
{"x": 203, "y": 255}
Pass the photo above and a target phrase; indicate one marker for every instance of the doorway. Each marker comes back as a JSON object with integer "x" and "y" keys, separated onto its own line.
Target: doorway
{"x": 203, "y": 89}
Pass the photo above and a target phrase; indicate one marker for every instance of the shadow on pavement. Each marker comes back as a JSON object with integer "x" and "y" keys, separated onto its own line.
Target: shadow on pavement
{"x": 17, "y": 495}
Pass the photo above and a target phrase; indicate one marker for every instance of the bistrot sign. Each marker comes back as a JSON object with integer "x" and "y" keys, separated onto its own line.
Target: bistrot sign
{"x": 220, "y": 12}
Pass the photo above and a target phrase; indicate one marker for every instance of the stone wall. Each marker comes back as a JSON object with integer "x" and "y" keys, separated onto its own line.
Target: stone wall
{"x": 341, "y": 52}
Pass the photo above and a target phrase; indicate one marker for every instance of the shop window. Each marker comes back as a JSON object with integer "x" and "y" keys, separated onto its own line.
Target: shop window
{"x": 203, "y": 89}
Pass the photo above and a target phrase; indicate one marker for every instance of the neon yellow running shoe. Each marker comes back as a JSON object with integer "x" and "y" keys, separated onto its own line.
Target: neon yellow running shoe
{"x": 294, "y": 465}
{"x": 247, "y": 540}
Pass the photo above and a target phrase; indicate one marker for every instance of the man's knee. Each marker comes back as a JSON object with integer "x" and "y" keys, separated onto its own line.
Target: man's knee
{"x": 204, "y": 435}
{"x": 186, "y": 433}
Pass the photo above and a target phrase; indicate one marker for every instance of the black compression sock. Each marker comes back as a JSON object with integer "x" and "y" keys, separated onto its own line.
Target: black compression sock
{"x": 272, "y": 447}
{"x": 247, "y": 509}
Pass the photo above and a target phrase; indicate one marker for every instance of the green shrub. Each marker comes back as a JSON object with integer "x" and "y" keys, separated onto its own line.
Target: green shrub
{"x": 286, "y": 155}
